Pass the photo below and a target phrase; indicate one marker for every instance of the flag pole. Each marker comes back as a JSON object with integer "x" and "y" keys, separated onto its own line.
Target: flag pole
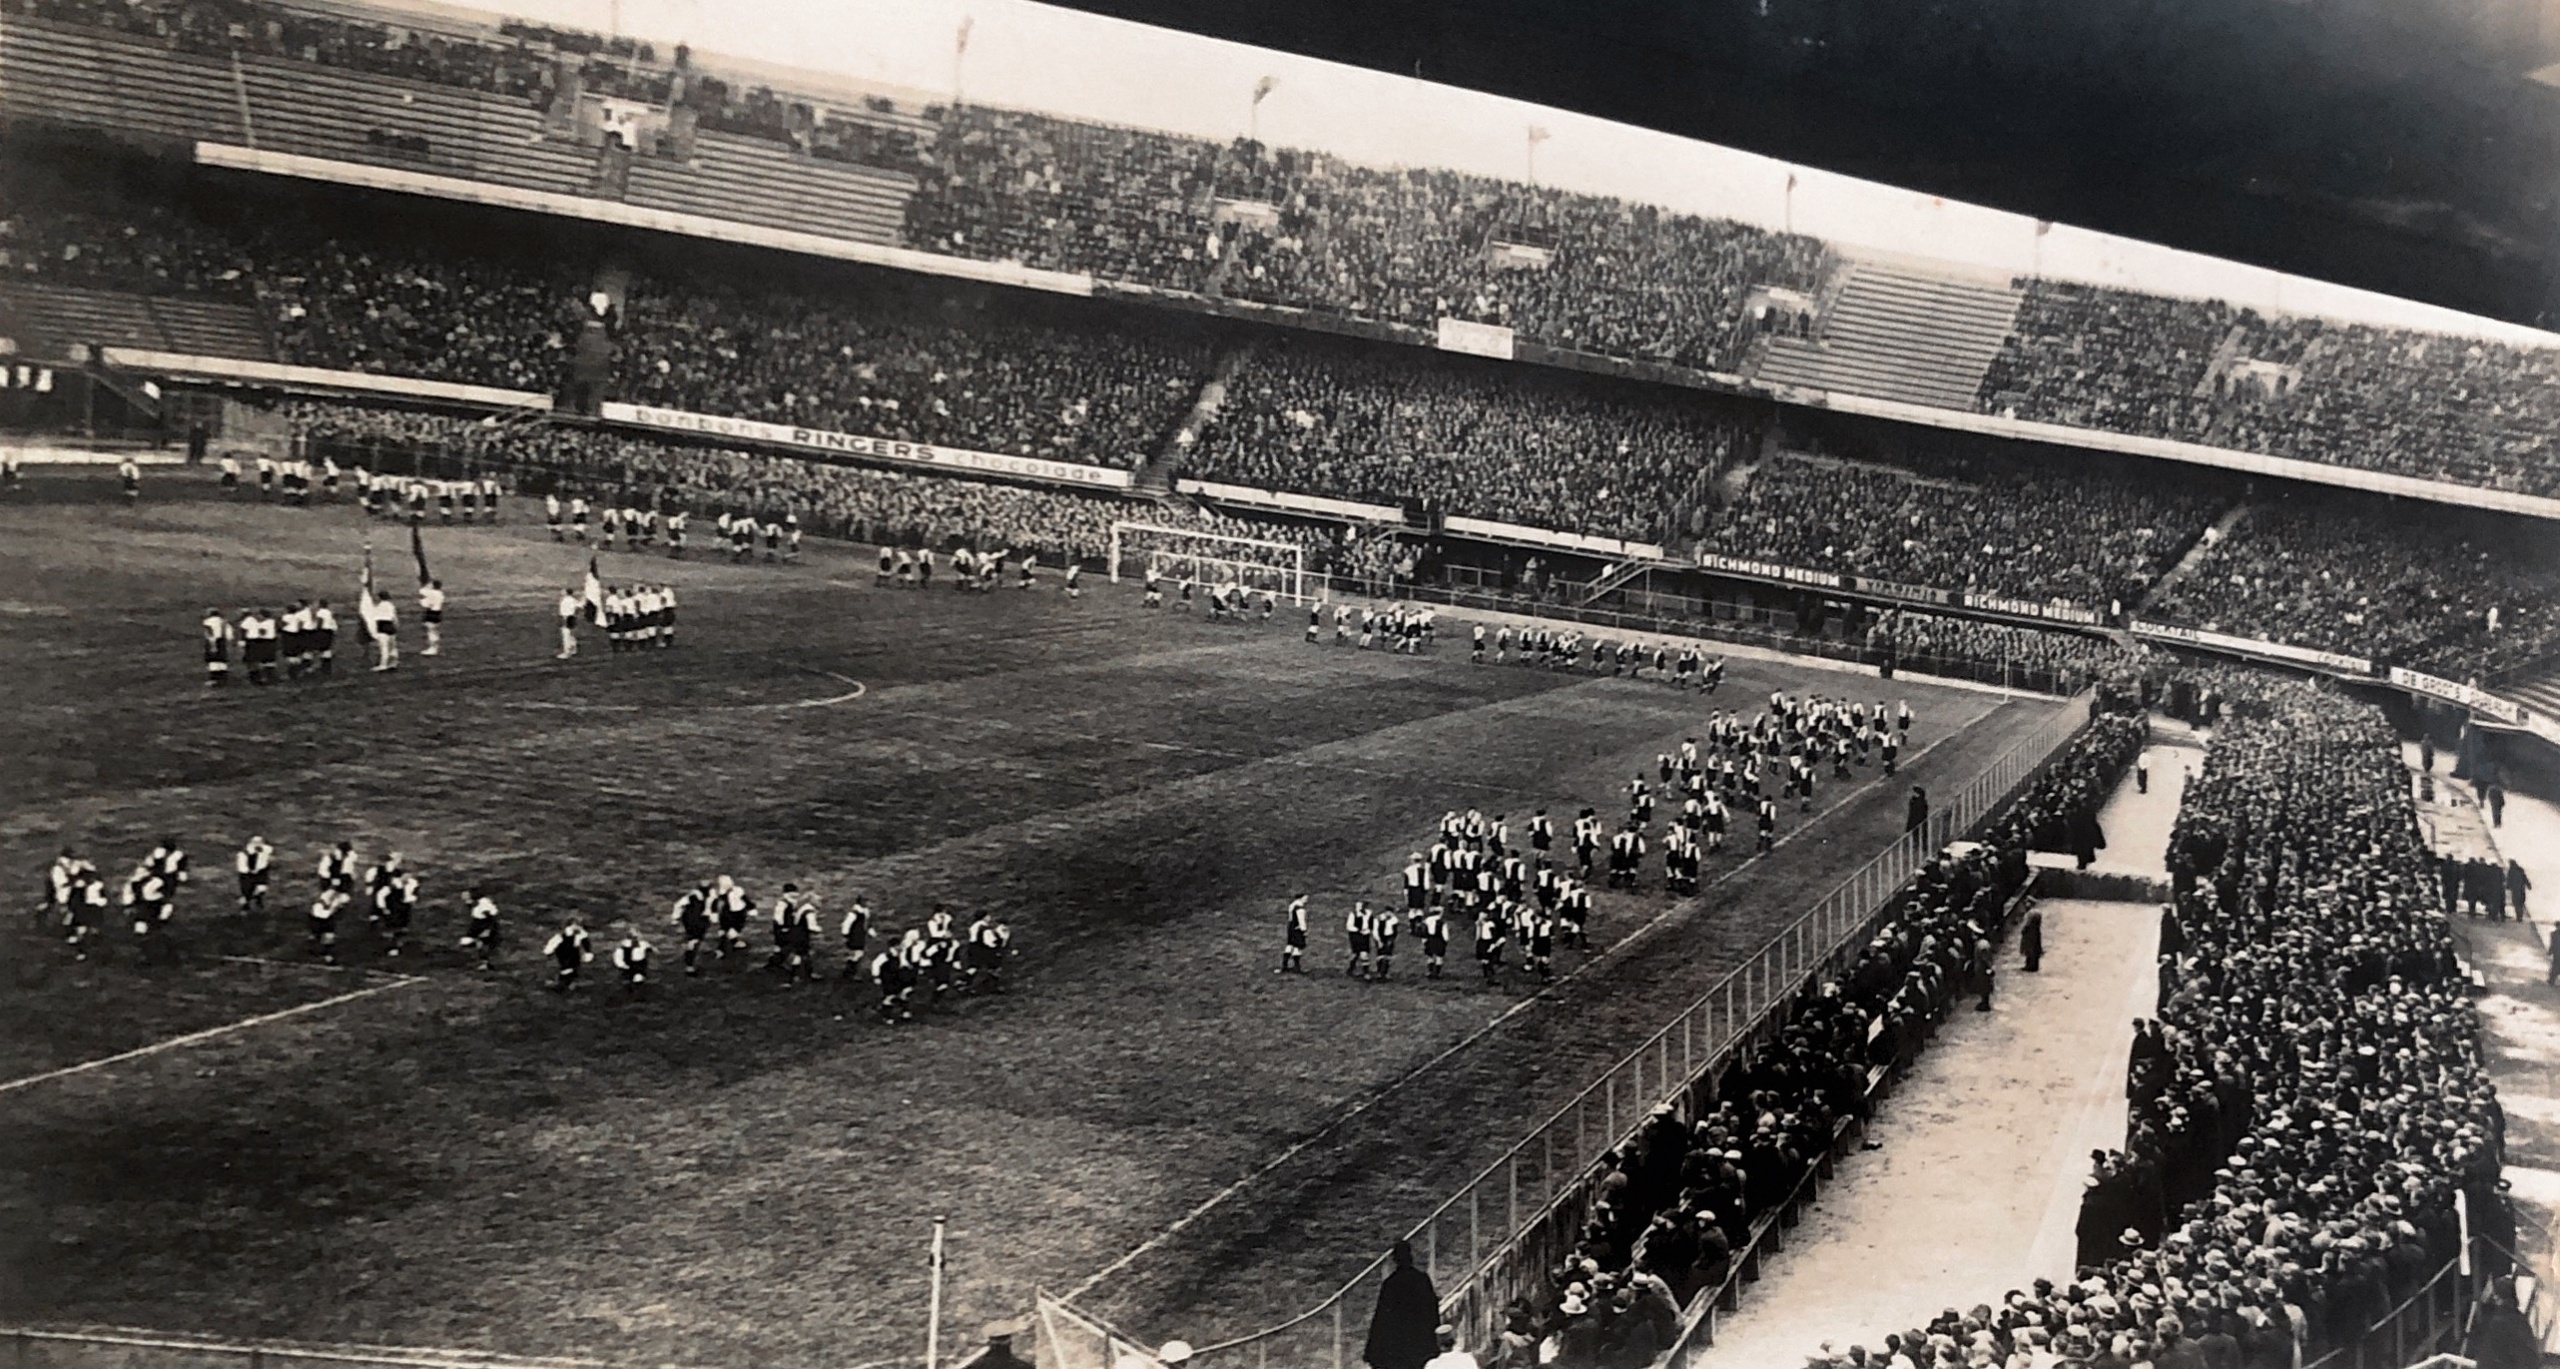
{"x": 933, "y": 1313}
{"x": 1253, "y": 108}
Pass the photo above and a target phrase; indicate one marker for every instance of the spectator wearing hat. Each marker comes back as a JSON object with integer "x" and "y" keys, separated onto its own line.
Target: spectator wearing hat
{"x": 999, "y": 1336}
{"x": 1578, "y": 1331}
{"x": 1654, "y": 1302}
{"x": 1631, "y": 1342}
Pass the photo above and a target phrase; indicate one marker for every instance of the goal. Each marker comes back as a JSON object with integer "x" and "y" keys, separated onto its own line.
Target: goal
{"x": 1209, "y": 559}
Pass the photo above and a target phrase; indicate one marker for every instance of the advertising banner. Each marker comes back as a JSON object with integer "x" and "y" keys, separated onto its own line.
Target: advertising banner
{"x": 819, "y": 440}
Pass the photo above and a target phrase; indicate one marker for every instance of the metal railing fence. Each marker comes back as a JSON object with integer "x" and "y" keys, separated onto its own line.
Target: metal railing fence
{"x": 2436, "y": 1317}
{"x": 1506, "y": 1227}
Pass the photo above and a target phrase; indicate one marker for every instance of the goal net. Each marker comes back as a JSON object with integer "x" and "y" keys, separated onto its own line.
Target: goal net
{"x": 1208, "y": 559}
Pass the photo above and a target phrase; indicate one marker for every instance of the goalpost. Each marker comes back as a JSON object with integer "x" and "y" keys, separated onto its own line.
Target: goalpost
{"x": 1209, "y": 559}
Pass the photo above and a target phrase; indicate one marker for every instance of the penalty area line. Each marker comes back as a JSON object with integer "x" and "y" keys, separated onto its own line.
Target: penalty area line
{"x": 192, "y": 1038}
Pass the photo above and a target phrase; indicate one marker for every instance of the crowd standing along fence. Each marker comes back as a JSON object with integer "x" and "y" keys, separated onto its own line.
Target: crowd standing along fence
{"x": 1626, "y": 610}
{"x": 2436, "y": 1317}
{"x": 1722, "y": 621}
{"x": 1494, "y": 1238}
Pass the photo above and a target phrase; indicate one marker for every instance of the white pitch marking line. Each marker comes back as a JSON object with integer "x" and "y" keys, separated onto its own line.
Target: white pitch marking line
{"x": 859, "y": 689}
{"x": 271, "y": 964}
{"x": 208, "y": 1034}
{"x": 1544, "y": 992}
{"x": 419, "y": 1357}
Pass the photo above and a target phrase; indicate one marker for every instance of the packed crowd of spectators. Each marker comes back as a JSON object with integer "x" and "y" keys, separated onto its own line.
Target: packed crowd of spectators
{"x": 944, "y": 364}
{"x": 1677, "y": 1206}
{"x": 916, "y": 363}
{"x": 2093, "y": 357}
{"x": 1986, "y": 524}
{"x": 53, "y": 234}
{"x": 856, "y": 503}
{"x": 1543, "y": 449}
{"x": 2447, "y": 408}
{"x": 2312, "y": 1096}
{"x": 2423, "y": 587}
{"x": 913, "y": 361}
{"x": 1067, "y": 195}
{"x": 388, "y": 302}
{"x": 2059, "y": 811}
{"x": 1395, "y": 245}
{"x": 1915, "y": 640}
{"x": 1581, "y": 272}
{"x": 2430, "y": 405}
{"x": 393, "y": 312}
{"x": 1408, "y": 246}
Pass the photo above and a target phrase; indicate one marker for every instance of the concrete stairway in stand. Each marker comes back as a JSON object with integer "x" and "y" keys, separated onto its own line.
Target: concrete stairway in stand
{"x": 1156, "y": 477}
{"x": 1900, "y": 334}
{"x": 2213, "y": 536}
{"x": 2536, "y": 687}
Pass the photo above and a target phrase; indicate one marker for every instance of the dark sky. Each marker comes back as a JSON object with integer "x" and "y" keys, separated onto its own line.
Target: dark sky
{"x": 2396, "y": 147}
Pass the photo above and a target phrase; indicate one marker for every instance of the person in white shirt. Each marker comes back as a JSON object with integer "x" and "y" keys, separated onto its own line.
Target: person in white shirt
{"x": 254, "y": 864}
{"x": 431, "y": 612}
{"x": 570, "y": 606}
{"x": 324, "y": 637}
{"x": 217, "y": 648}
{"x": 1450, "y": 1356}
{"x": 386, "y": 634}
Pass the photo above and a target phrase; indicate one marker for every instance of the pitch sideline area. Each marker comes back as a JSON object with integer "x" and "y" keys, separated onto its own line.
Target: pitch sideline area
{"x": 208, "y": 1034}
{"x": 732, "y": 1172}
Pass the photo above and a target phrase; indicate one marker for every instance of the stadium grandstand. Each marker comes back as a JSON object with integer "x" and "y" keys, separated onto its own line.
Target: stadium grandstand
{"x": 1877, "y": 623}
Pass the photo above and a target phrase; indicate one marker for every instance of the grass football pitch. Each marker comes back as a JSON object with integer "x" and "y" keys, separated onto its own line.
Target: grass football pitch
{"x": 732, "y": 1172}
